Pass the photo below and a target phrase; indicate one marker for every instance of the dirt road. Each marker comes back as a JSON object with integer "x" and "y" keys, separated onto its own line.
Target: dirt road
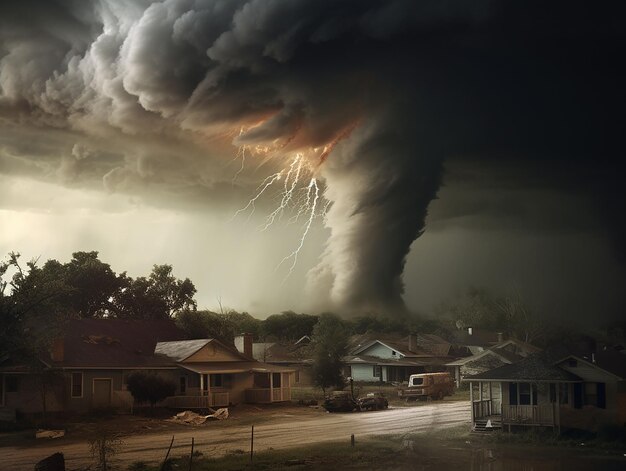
{"x": 289, "y": 430}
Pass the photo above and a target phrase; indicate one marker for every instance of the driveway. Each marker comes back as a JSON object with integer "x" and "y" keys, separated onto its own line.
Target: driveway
{"x": 289, "y": 430}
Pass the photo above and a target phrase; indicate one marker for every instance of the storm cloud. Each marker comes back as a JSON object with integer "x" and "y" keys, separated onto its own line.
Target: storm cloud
{"x": 162, "y": 92}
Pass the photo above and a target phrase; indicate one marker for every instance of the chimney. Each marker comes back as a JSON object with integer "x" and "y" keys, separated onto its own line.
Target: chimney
{"x": 57, "y": 350}
{"x": 469, "y": 331}
{"x": 243, "y": 342}
{"x": 500, "y": 337}
{"x": 412, "y": 343}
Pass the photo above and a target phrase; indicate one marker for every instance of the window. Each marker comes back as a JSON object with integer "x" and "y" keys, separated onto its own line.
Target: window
{"x": 595, "y": 394}
{"x": 11, "y": 384}
{"x": 276, "y": 380}
{"x": 418, "y": 381}
{"x": 393, "y": 353}
{"x": 183, "y": 384}
{"x": 524, "y": 394}
{"x": 77, "y": 385}
{"x": 527, "y": 394}
{"x": 220, "y": 380}
{"x": 378, "y": 371}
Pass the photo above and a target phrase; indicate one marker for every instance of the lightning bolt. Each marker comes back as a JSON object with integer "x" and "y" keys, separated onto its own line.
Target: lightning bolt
{"x": 294, "y": 169}
{"x": 313, "y": 194}
{"x": 269, "y": 181}
{"x": 305, "y": 200}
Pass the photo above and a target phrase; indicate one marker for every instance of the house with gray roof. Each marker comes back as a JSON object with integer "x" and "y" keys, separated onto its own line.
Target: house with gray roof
{"x": 539, "y": 391}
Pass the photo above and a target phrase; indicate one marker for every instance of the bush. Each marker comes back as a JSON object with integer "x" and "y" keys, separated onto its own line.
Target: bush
{"x": 612, "y": 433}
{"x": 150, "y": 388}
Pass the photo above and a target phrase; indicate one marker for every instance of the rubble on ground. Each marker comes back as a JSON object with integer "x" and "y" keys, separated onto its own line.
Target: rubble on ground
{"x": 49, "y": 433}
{"x": 192, "y": 418}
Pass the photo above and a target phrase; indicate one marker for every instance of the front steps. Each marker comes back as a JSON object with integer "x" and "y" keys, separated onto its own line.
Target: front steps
{"x": 480, "y": 425}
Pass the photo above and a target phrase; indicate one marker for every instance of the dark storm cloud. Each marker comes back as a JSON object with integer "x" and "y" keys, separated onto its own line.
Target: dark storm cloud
{"x": 397, "y": 85}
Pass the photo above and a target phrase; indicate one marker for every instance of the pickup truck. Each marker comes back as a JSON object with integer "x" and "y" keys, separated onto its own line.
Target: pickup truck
{"x": 427, "y": 386}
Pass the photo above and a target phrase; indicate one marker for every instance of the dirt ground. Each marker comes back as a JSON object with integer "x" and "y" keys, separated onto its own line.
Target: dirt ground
{"x": 275, "y": 426}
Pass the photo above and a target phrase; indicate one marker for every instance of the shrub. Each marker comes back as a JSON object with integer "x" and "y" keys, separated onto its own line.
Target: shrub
{"x": 150, "y": 388}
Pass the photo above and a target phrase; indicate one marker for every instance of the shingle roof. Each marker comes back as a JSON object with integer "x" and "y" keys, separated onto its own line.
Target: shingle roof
{"x": 367, "y": 360}
{"x": 181, "y": 349}
{"x": 116, "y": 343}
{"x": 532, "y": 368}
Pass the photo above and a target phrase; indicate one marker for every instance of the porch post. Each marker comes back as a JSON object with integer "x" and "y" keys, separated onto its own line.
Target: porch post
{"x": 201, "y": 384}
{"x": 472, "y": 401}
{"x": 557, "y": 412}
{"x": 271, "y": 387}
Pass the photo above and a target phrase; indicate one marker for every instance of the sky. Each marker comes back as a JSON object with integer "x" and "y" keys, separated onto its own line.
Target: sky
{"x": 354, "y": 156}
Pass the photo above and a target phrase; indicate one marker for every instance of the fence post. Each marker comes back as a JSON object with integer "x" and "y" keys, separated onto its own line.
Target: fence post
{"x": 352, "y": 440}
{"x": 252, "y": 445}
{"x": 191, "y": 455}
{"x": 167, "y": 454}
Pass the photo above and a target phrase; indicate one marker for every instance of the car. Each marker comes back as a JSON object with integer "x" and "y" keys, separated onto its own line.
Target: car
{"x": 340, "y": 401}
{"x": 373, "y": 401}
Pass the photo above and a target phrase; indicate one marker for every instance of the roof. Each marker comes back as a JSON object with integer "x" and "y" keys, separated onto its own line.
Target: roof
{"x": 100, "y": 343}
{"x": 367, "y": 359}
{"x": 479, "y": 337}
{"x": 504, "y": 355}
{"x": 235, "y": 367}
{"x": 533, "y": 368}
{"x": 610, "y": 361}
{"x": 181, "y": 349}
{"x": 433, "y": 344}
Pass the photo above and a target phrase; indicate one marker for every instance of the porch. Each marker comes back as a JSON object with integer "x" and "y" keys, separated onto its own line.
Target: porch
{"x": 210, "y": 400}
{"x": 515, "y": 404}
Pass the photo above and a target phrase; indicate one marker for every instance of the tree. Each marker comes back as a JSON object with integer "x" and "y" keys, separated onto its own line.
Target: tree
{"x": 151, "y": 388}
{"x": 94, "y": 284}
{"x": 330, "y": 345}
{"x": 160, "y": 296}
{"x": 288, "y": 326}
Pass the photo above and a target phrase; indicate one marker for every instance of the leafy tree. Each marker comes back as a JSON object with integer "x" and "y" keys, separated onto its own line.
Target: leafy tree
{"x": 160, "y": 296}
{"x": 224, "y": 327}
{"x": 151, "y": 388}
{"x": 288, "y": 326}
{"x": 330, "y": 345}
{"x": 93, "y": 284}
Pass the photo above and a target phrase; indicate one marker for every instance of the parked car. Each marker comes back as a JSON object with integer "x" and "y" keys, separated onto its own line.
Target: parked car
{"x": 373, "y": 401}
{"x": 340, "y": 401}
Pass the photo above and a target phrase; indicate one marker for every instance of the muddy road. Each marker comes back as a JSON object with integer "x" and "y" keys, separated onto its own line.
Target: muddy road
{"x": 280, "y": 431}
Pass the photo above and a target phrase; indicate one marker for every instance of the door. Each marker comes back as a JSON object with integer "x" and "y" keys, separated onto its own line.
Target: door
{"x": 101, "y": 393}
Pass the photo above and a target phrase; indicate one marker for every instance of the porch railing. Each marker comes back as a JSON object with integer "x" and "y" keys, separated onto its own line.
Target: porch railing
{"x": 528, "y": 415}
{"x": 267, "y": 395}
{"x": 483, "y": 408}
{"x": 218, "y": 399}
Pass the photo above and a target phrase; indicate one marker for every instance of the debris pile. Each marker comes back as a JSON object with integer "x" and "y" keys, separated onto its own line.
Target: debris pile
{"x": 191, "y": 418}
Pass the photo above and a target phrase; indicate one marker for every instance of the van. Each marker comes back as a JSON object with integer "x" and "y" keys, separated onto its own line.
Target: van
{"x": 428, "y": 386}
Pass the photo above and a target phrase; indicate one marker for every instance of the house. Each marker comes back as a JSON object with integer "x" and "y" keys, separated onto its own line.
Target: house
{"x": 296, "y": 356}
{"x": 390, "y": 359}
{"x": 539, "y": 392}
{"x": 89, "y": 366}
{"x": 476, "y": 340}
{"x": 503, "y": 353}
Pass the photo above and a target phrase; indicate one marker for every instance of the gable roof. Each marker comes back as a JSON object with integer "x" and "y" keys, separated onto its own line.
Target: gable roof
{"x": 100, "y": 343}
{"x": 180, "y": 350}
{"x": 371, "y": 360}
{"x": 532, "y": 368}
{"x": 433, "y": 344}
{"x": 504, "y": 355}
{"x": 613, "y": 363}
